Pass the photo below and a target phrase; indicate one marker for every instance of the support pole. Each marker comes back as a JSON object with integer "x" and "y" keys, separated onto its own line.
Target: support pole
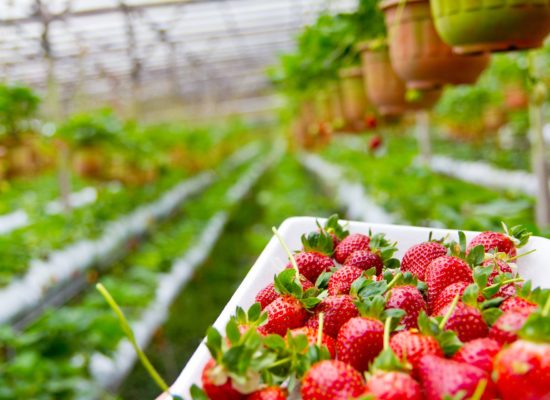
{"x": 423, "y": 136}
{"x": 540, "y": 166}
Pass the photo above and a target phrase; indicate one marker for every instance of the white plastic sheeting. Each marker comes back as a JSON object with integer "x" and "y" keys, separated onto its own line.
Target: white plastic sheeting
{"x": 349, "y": 195}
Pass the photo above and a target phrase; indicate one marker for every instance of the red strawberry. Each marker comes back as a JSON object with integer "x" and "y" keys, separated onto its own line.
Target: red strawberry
{"x": 441, "y": 377}
{"x": 479, "y": 353}
{"x": 284, "y": 313}
{"x": 444, "y": 271}
{"x": 466, "y": 321}
{"x": 218, "y": 390}
{"x": 268, "y": 294}
{"x": 337, "y": 310}
{"x": 375, "y": 142}
{"x": 350, "y": 244}
{"x": 394, "y": 386}
{"x": 312, "y": 264}
{"x": 332, "y": 380}
{"x": 269, "y": 393}
{"x": 359, "y": 342}
{"x": 418, "y": 257}
{"x": 413, "y": 345}
{"x": 311, "y": 335}
{"x": 523, "y": 371}
{"x": 492, "y": 241}
{"x": 365, "y": 259}
{"x": 506, "y": 327}
{"x": 409, "y": 299}
{"x": 517, "y": 303}
{"x": 340, "y": 282}
{"x": 447, "y": 296}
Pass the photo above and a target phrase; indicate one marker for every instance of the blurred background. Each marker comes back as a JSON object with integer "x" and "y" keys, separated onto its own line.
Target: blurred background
{"x": 151, "y": 145}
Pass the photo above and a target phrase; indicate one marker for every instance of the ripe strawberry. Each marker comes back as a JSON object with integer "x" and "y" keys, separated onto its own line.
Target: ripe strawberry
{"x": 359, "y": 342}
{"x": 393, "y": 386}
{"x": 506, "y": 327}
{"x": 332, "y": 380}
{"x": 283, "y": 314}
{"x": 441, "y": 377}
{"x": 365, "y": 259}
{"x": 268, "y": 294}
{"x": 350, "y": 244}
{"x": 413, "y": 345}
{"x": 523, "y": 371}
{"x": 466, "y": 321}
{"x": 418, "y": 257}
{"x": 375, "y": 142}
{"x": 444, "y": 271}
{"x": 269, "y": 393}
{"x": 340, "y": 282}
{"x": 447, "y": 296}
{"x": 312, "y": 264}
{"x": 409, "y": 299}
{"x": 517, "y": 303}
{"x": 311, "y": 335}
{"x": 479, "y": 353}
{"x": 218, "y": 390}
{"x": 494, "y": 241}
{"x": 337, "y": 310}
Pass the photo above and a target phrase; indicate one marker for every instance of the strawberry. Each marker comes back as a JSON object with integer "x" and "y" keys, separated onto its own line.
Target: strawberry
{"x": 337, "y": 311}
{"x": 444, "y": 271}
{"x": 466, "y": 321}
{"x": 269, "y": 393}
{"x": 365, "y": 259}
{"x": 409, "y": 299}
{"x": 268, "y": 294}
{"x": 517, "y": 303}
{"x": 349, "y": 245}
{"x": 441, "y": 377}
{"x": 218, "y": 388}
{"x": 359, "y": 341}
{"x": 393, "y": 385}
{"x": 447, "y": 296}
{"x": 331, "y": 380}
{"x": 283, "y": 314}
{"x": 419, "y": 256}
{"x": 340, "y": 281}
{"x": 498, "y": 242}
{"x": 479, "y": 353}
{"x": 413, "y": 345}
{"x": 311, "y": 264}
{"x": 375, "y": 142}
{"x": 311, "y": 335}
{"x": 506, "y": 327}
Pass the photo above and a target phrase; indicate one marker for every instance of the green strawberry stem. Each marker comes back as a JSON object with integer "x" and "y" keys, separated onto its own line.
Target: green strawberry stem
{"x": 480, "y": 389}
{"x": 288, "y": 252}
{"x": 387, "y": 329}
{"x": 506, "y": 282}
{"x": 546, "y": 308}
{"x": 522, "y": 255}
{"x": 449, "y": 312}
{"x": 130, "y": 335}
{"x": 394, "y": 281}
{"x": 320, "y": 329}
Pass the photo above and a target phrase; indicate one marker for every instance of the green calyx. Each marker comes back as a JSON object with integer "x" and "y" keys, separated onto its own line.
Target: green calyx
{"x": 332, "y": 226}
{"x": 519, "y": 234}
{"x": 320, "y": 242}
{"x": 387, "y": 360}
{"x": 435, "y": 327}
{"x": 288, "y": 283}
{"x": 537, "y": 326}
{"x": 384, "y": 249}
{"x": 253, "y": 318}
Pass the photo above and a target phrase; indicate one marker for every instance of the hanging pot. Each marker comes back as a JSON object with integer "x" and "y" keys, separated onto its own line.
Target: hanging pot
{"x": 335, "y": 101}
{"x": 418, "y": 54}
{"x": 495, "y": 25}
{"x": 354, "y": 99}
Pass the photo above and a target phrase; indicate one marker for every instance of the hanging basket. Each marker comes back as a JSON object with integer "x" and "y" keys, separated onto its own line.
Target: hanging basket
{"x": 496, "y": 25}
{"x": 354, "y": 99}
{"x": 418, "y": 54}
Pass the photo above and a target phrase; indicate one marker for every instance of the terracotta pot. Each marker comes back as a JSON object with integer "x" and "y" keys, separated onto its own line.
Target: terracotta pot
{"x": 418, "y": 54}
{"x": 354, "y": 99}
{"x": 323, "y": 109}
{"x": 495, "y": 25}
{"x": 515, "y": 98}
{"x": 335, "y": 100}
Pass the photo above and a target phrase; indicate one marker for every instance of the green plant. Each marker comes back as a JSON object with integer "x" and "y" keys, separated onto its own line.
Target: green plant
{"x": 18, "y": 104}
{"x": 93, "y": 128}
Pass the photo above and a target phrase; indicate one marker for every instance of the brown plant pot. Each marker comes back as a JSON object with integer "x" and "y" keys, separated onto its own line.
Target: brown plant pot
{"x": 354, "y": 100}
{"x": 336, "y": 108}
{"x": 418, "y": 54}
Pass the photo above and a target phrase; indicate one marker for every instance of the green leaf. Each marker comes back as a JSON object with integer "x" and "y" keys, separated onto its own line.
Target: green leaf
{"x": 536, "y": 328}
{"x": 490, "y": 315}
{"x": 476, "y": 256}
{"x": 214, "y": 342}
{"x": 320, "y": 242}
{"x": 232, "y": 357}
{"x": 274, "y": 342}
{"x": 323, "y": 279}
{"x": 470, "y": 295}
{"x": 492, "y": 303}
{"x": 232, "y": 331}
{"x": 254, "y": 312}
{"x": 332, "y": 226}
{"x": 197, "y": 393}
{"x": 449, "y": 342}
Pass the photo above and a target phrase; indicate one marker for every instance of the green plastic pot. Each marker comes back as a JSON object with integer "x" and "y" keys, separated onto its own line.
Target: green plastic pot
{"x": 476, "y": 26}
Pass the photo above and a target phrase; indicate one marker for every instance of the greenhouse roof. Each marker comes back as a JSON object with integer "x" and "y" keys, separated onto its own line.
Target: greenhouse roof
{"x": 212, "y": 53}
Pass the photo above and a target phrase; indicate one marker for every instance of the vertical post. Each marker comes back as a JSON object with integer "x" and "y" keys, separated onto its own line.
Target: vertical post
{"x": 423, "y": 136}
{"x": 64, "y": 176}
{"x": 540, "y": 166}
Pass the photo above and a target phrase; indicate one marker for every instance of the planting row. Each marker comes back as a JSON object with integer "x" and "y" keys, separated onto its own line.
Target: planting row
{"x": 52, "y": 357}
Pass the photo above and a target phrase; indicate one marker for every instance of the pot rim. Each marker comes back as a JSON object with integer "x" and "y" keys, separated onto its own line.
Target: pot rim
{"x": 395, "y": 3}
{"x": 350, "y": 72}
{"x": 372, "y": 45}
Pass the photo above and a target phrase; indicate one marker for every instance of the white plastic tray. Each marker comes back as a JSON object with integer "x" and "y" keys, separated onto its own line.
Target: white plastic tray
{"x": 272, "y": 260}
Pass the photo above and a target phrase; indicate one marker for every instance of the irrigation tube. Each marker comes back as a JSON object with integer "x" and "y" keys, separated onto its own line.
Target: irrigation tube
{"x": 42, "y": 276}
{"x": 109, "y": 372}
{"x": 349, "y": 195}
